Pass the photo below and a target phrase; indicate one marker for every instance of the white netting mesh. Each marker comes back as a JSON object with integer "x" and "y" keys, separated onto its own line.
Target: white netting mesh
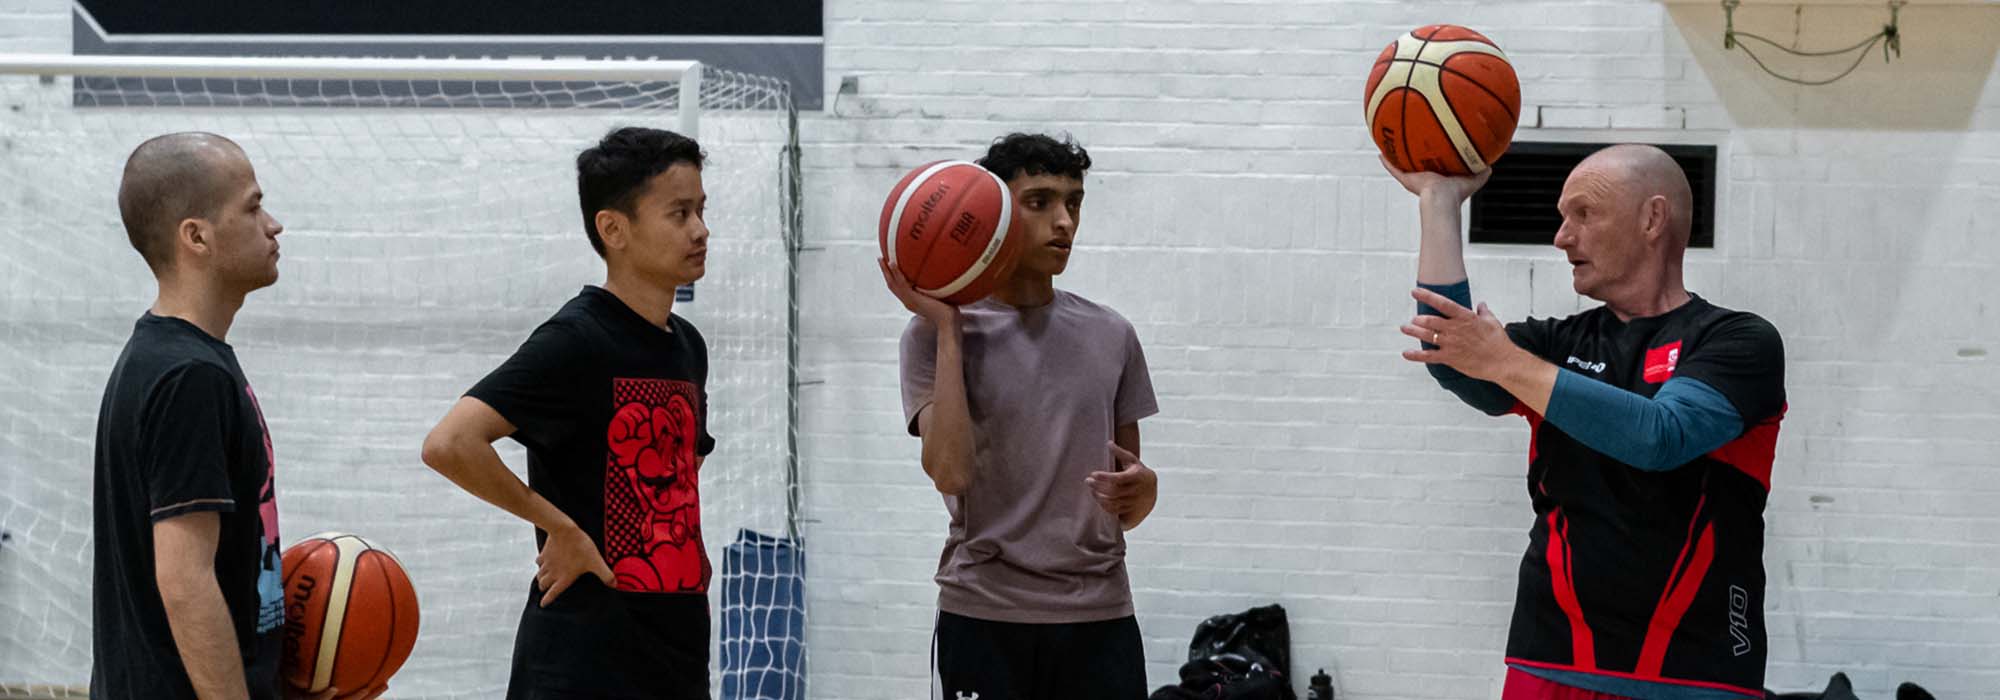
{"x": 429, "y": 227}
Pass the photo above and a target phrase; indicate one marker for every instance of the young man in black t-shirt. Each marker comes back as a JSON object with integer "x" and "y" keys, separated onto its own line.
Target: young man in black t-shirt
{"x": 609, "y": 397}
{"x": 1655, "y": 422}
{"x": 186, "y": 600}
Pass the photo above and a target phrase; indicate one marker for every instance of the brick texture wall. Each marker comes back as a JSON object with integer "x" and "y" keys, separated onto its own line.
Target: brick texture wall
{"x": 1238, "y": 217}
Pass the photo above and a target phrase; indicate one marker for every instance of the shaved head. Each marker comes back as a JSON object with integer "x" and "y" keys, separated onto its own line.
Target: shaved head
{"x": 1627, "y": 213}
{"x": 172, "y": 178}
{"x": 1640, "y": 172}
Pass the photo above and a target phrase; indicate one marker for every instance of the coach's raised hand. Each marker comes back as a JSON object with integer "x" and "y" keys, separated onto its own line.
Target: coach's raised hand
{"x": 1454, "y": 189}
{"x": 1440, "y": 255}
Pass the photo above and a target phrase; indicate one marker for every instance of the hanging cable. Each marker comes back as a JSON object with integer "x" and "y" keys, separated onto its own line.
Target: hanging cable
{"x": 1890, "y": 38}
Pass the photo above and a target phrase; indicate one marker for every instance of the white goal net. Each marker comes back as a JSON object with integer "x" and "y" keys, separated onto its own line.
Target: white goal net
{"x": 431, "y": 223}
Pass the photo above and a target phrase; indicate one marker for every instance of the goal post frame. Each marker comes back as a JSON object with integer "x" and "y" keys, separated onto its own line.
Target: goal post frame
{"x": 687, "y": 73}
{"x": 733, "y": 98}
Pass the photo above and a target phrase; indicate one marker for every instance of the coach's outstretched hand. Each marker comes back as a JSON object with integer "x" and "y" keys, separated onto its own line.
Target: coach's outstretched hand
{"x": 567, "y": 555}
{"x": 1452, "y": 189}
{"x": 929, "y": 308}
{"x": 1473, "y": 342}
{"x": 1129, "y": 492}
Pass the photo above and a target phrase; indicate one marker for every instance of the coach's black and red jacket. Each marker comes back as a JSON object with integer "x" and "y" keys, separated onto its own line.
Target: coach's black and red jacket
{"x": 1652, "y": 575}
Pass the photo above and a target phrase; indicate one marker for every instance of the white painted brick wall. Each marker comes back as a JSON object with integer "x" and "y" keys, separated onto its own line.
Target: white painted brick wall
{"x": 1238, "y": 218}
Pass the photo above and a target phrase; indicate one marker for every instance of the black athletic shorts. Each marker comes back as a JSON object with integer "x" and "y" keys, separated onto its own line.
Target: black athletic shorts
{"x": 985, "y": 660}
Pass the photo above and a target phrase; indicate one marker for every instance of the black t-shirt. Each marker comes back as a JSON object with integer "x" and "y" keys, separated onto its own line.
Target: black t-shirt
{"x": 614, "y": 413}
{"x": 1655, "y": 575}
{"x": 179, "y": 432}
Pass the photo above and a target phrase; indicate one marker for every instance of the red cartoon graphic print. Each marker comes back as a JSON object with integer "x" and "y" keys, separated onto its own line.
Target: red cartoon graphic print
{"x": 652, "y": 503}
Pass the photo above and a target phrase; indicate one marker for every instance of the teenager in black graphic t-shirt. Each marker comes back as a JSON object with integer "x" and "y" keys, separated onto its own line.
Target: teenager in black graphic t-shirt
{"x": 609, "y": 398}
{"x": 186, "y": 599}
{"x": 1654, "y": 424}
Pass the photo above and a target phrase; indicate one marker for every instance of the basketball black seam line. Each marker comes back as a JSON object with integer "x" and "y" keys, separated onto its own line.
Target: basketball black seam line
{"x": 1442, "y": 68}
{"x": 388, "y": 585}
{"x": 286, "y": 588}
{"x": 913, "y": 277}
{"x": 932, "y": 246}
{"x": 1392, "y": 57}
{"x": 1442, "y": 95}
{"x": 1405, "y": 115}
{"x": 1446, "y": 96}
{"x": 285, "y": 582}
{"x": 1482, "y": 87}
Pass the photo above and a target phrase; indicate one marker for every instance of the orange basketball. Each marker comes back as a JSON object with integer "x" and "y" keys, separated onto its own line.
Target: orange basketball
{"x": 949, "y": 227}
{"x": 350, "y": 614}
{"x": 1444, "y": 99}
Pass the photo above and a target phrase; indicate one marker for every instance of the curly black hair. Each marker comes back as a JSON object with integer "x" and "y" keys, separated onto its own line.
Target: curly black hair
{"x": 1035, "y": 154}
{"x": 611, "y": 174}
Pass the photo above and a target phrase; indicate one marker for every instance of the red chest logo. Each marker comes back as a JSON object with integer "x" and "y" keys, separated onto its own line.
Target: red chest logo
{"x": 1660, "y": 362}
{"x": 652, "y": 503}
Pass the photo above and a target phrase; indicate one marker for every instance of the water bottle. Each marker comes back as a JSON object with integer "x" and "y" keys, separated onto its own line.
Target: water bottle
{"x": 1321, "y": 687}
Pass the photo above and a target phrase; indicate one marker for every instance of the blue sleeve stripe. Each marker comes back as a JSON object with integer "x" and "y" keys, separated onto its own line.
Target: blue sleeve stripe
{"x": 1684, "y": 420}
